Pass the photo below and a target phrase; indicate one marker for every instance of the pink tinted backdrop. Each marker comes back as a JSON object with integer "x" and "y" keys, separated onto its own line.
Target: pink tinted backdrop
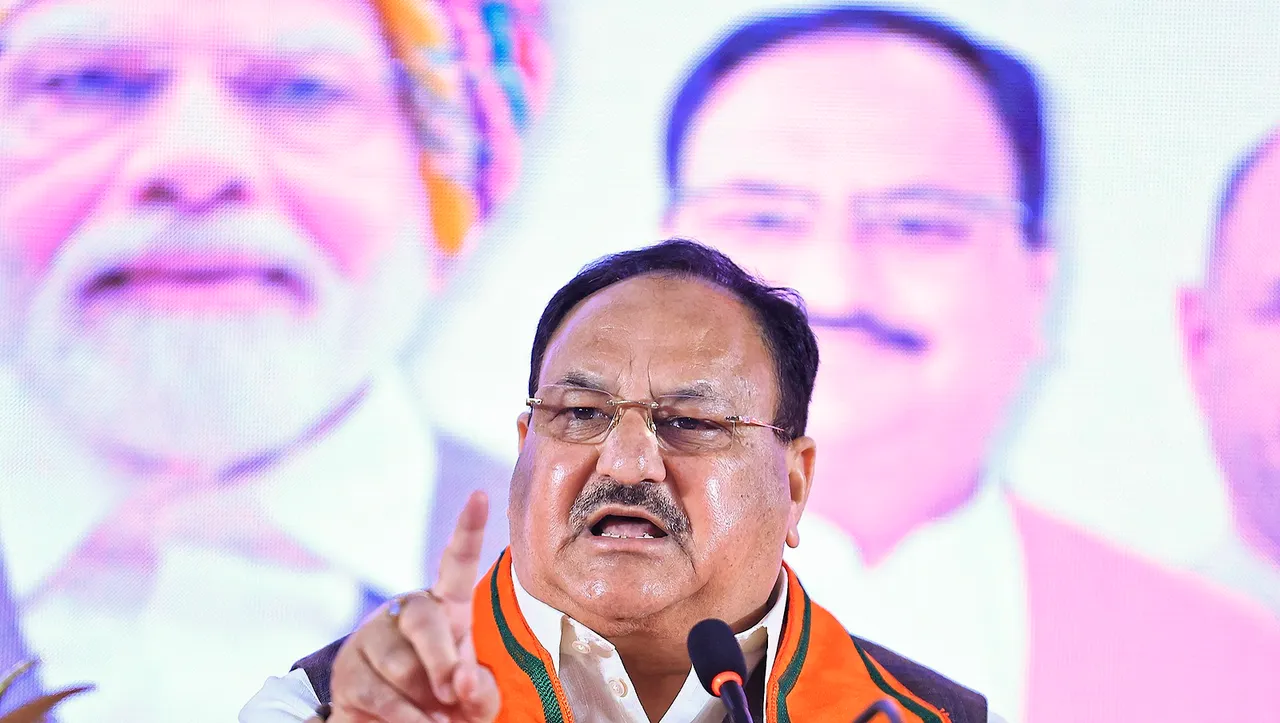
{"x": 242, "y": 382}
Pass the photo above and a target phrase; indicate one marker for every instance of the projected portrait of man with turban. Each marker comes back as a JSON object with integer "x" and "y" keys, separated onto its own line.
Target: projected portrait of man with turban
{"x": 220, "y": 227}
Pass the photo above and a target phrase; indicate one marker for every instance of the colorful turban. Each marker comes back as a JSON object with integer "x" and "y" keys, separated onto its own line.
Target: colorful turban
{"x": 476, "y": 71}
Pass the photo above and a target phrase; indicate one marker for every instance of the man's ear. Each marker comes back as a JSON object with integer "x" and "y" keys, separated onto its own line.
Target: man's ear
{"x": 801, "y": 454}
{"x": 1043, "y": 277}
{"x": 1195, "y": 330}
{"x": 522, "y": 430}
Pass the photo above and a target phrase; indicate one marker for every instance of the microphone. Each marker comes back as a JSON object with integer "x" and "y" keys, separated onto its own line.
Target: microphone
{"x": 718, "y": 661}
{"x": 885, "y": 706}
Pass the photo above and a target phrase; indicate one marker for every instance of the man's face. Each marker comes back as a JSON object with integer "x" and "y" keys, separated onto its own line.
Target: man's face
{"x": 871, "y": 174}
{"x": 625, "y": 532}
{"x": 211, "y": 219}
{"x": 1232, "y": 330}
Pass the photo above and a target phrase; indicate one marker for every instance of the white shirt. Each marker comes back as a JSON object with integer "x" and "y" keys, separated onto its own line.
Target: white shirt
{"x": 951, "y": 596}
{"x": 597, "y": 685}
{"x": 1238, "y": 567}
{"x": 595, "y": 682}
{"x": 241, "y": 616}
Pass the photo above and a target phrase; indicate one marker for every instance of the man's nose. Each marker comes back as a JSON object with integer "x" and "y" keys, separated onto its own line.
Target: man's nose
{"x": 631, "y": 453}
{"x": 202, "y": 154}
{"x": 841, "y": 270}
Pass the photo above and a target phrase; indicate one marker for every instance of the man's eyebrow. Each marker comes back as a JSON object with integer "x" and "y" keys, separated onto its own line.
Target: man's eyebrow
{"x": 766, "y": 188}
{"x": 696, "y": 389}
{"x": 749, "y": 187}
{"x": 582, "y": 379}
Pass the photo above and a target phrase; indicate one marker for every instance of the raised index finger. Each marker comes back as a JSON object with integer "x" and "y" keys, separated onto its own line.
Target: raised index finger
{"x": 460, "y": 564}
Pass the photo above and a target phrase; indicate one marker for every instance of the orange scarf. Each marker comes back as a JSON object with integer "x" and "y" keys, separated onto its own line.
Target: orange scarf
{"x": 819, "y": 675}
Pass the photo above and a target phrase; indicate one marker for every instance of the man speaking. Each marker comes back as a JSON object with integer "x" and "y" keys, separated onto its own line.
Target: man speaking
{"x": 662, "y": 469}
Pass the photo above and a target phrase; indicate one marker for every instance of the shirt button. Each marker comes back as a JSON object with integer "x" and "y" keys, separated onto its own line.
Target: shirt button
{"x": 619, "y": 687}
{"x": 581, "y": 647}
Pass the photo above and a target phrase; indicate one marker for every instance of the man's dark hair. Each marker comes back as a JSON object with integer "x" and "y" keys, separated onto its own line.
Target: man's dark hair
{"x": 778, "y": 312}
{"x": 1009, "y": 81}
{"x": 1230, "y": 194}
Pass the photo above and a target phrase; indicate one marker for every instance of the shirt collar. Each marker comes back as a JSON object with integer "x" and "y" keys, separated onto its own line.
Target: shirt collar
{"x": 548, "y": 626}
{"x": 377, "y": 464}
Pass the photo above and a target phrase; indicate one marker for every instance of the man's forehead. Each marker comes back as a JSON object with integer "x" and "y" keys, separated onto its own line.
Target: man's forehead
{"x": 675, "y": 333}
{"x": 292, "y": 26}
{"x": 890, "y": 107}
{"x": 591, "y": 374}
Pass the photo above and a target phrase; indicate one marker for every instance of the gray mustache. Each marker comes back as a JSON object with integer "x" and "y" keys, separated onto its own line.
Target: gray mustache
{"x": 880, "y": 331}
{"x": 648, "y": 496}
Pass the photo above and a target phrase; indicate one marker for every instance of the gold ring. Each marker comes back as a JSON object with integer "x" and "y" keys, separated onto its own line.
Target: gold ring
{"x": 396, "y": 607}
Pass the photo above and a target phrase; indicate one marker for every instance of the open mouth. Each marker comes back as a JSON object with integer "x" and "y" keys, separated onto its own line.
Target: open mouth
{"x": 626, "y": 525}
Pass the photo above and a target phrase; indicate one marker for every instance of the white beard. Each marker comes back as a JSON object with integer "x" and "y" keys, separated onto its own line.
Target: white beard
{"x": 209, "y": 389}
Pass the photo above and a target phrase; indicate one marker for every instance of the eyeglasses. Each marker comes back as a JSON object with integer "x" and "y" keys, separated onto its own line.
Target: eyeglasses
{"x": 920, "y": 217}
{"x": 685, "y": 424}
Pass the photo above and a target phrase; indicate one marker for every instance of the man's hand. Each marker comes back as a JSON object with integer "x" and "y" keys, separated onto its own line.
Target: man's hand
{"x": 414, "y": 661}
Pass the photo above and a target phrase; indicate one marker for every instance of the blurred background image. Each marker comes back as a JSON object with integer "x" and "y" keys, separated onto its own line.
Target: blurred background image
{"x": 223, "y": 227}
{"x": 269, "y": 276}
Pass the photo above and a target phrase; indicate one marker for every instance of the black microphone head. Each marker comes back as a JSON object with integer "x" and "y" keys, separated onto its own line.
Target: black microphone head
{"x": 714, "y": 650}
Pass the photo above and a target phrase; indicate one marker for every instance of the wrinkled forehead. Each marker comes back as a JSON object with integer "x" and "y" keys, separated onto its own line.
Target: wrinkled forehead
{"x": 658, "y": 335}
{"x": 350, "y": 27}
{"x": 868, "y": 108}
